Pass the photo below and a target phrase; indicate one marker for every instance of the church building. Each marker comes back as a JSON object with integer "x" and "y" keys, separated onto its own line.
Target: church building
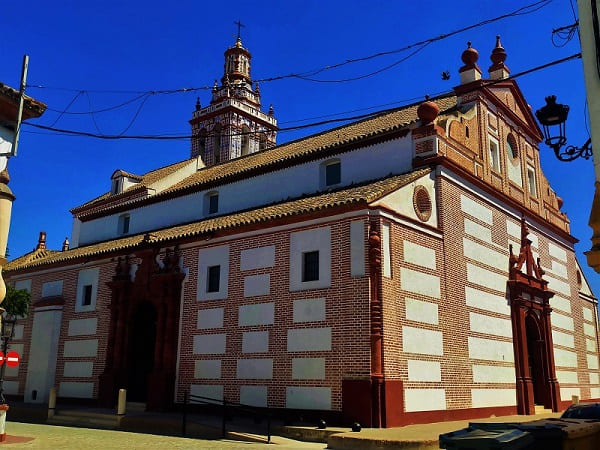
{"x": 417, "y": 268}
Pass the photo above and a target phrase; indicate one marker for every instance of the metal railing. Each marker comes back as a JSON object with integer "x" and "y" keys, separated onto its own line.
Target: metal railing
{"x": 228, "y": 409}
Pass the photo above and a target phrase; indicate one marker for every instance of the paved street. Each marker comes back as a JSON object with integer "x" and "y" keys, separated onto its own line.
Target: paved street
{"x": 26, "y": 435}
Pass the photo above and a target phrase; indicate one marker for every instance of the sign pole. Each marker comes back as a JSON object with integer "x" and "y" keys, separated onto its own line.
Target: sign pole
{"x": 21, "y": 102}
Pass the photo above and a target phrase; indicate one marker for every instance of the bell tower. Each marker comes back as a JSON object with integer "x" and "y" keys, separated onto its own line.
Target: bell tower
{"x": 232, "y": 125}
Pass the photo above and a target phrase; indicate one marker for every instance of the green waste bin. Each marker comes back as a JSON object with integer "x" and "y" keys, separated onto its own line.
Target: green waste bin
{"x": 480, "y": 439}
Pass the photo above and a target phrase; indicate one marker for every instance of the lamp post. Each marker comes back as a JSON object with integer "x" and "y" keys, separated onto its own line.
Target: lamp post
{"x": 7, "y": 330}
{"x": 553, "y": 117}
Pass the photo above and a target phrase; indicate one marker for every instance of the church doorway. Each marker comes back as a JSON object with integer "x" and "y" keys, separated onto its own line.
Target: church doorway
{"x": 535, "y": 352}
{"x": 142, "y": 342}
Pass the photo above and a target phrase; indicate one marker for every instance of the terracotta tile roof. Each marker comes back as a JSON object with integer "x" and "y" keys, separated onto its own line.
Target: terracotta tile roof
{"x": 382, "y": 123}
{"x": 33, "y": 108}
{"x": 364, "y": 193}
{"x": 32, "y": 257}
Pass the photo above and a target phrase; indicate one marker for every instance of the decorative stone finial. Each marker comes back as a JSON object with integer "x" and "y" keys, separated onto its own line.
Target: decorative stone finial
{"x": 470, "y": 55}
{"x": 427, "y": 111}
{"x": 4, "y": 177}
{"x": 271, "y": 110}
{"x": 41, "y": 241}
{"x": 215, "y": 87}
{"x": 498, "y": 70}
{"x": 470, "y": 71}
{"x": 198, "y": 106}
{"x": 257, "y": 88}
{"x": 65, "y": 245}
{"x": 238, "y": 42}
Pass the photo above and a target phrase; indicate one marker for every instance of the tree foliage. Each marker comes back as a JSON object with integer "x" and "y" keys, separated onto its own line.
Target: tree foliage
{"x": 16, "y": 302}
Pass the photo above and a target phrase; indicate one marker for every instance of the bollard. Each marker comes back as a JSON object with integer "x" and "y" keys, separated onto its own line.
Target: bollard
{"x": 575, "y": 399}
{"x": 52, "y": 402}
{"x": 122, "y": 402}
{"x": 3, "y": 409}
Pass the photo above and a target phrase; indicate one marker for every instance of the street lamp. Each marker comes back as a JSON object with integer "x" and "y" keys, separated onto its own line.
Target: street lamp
{"x": 553, "y": 117}
{"x": 7, "y": 331}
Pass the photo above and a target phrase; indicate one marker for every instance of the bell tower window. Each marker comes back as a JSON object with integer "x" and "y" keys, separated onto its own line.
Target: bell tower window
{"x": 245, "y": 140}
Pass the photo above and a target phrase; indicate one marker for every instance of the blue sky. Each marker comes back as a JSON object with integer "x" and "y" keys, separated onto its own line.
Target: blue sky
{"x": 95, "y": 55}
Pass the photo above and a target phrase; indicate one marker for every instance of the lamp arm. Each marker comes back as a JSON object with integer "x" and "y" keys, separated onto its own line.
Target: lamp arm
{"x": 571, "y": 152}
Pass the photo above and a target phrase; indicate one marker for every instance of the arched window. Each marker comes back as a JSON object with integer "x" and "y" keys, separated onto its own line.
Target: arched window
{"x": 262, "y": 141}
{"x": 202, "y": 142}
{"x": 511, "y": 147}
{"x": 245, "y": 138}
{"x": 217, "y": 142}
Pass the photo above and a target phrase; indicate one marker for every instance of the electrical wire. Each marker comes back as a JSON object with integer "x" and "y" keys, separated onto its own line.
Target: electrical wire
{"x": 290, "y": 128}
{"x": 564, "y": 34}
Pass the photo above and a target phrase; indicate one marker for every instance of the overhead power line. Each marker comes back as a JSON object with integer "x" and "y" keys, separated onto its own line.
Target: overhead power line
{"x": 290, "y": 128}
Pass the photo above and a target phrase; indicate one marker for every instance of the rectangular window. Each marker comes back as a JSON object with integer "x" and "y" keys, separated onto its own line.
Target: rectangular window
{"x": 213, "y": 279}
{"x": 213, "y": 203}
{"x": 531, "y": 181}
{"x": 333, "y": 174}
{"x": 87, "y": 295}
{"x": 310, "y": 266}
{"x": 494, "y": 155}
{"x": 125, "y": 224}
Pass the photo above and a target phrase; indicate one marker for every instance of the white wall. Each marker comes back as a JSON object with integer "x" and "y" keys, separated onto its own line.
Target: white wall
{"x": 357, "y": 166}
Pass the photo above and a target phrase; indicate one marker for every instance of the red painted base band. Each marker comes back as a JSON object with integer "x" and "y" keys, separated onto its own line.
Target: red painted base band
{"x": 2, "y": 437}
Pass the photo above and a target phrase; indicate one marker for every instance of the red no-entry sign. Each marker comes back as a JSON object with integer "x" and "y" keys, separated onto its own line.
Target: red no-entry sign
{"x": 12, "y": 359}
{"x": 1, "y": 358}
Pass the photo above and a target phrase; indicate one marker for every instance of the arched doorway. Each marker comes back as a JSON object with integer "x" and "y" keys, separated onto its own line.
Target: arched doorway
{"x": 535, "y": 352}
{"x": 140, "y": 351}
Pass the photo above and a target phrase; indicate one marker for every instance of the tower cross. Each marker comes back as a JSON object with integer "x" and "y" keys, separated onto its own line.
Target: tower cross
{"x": 240, "y": 25}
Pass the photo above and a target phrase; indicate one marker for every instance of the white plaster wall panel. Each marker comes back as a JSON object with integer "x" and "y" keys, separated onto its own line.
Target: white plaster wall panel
{"x": 490, "y": 350}
{"x": 52, "y": 288}
{"x": 259, "y": 314}
{"x": 592, "y": 361}
{"x": 210, "y": 318}
{"x": 561, "y": 303}
{"x": 486, "y": 301}
{"x": 589, "y": 330}
{"x": 590, "y": 345}
{"x": 564, "y": 358}
{"x": 424, "y": 371}
{"x": 419, "y": 283}
{"x": 207, "y": 368}
{"x": 534, "y": 240}
{"x": 484, "y": 255}
{"x": 78, "y": 369}
{"x": 23, "y": 285}
{"x": 487, "y": 278}
{"x": 357, "y": 248}
{"x": 386, "y": 246}
{"x": 594, "y": 379}
{"x": 256, "y": 285}
{"x": 213, "y": 256}
{"x": 318, "y": 239}
{"x": 87, "y": 277}
{"x": 514, "y": 172}
{"x": 18, "y": 332}
{"x": 562, "y": 321}
{"x": 255, "y": 342}
{"x": 483, "y": 323}
{"x": 564, "y": 339}
{"x": 83, "y": 348}
{"x": 419, "y": 255}
{"x": 556, "y": 285}
{"x": 11, "y": 387}
{"x": 493, "y": 374}
{"x": 76, "y": 389}
{"x": 567, "y": 392}
{"x": 309, "y": 310}
{"x": 257, "y": 258}
{"x": 43, "y": 354}
{"x": 588, "y": 314}
{"x": 481, "y": 398}
{"x": 566, "y": 377}
{"x": 359, "y": 165}
{"x": 401, "y": 200}
{"x": 304, "y": 397}
{"x": 478, "y": 231}
{"x": 254, "y": 396}
{"x": 17, "y": 347}
{"x": 82, "y": 327}
{"x": 557, "y": 252}
{"x": 308, "y": 368}
{"x": 309, "y": 340}
{"x": 424, "y": 400}
{"x": 210, "y": 391}
{"x": 419, "y": 311}
{"x": 476, "y": 210}
{"x": 594, "y": 392}
{"x": 210, "y": 344}
{"x": 559, "y": 269}
{"x": 418, "y": 340}
{"x": 256, "y": 369}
